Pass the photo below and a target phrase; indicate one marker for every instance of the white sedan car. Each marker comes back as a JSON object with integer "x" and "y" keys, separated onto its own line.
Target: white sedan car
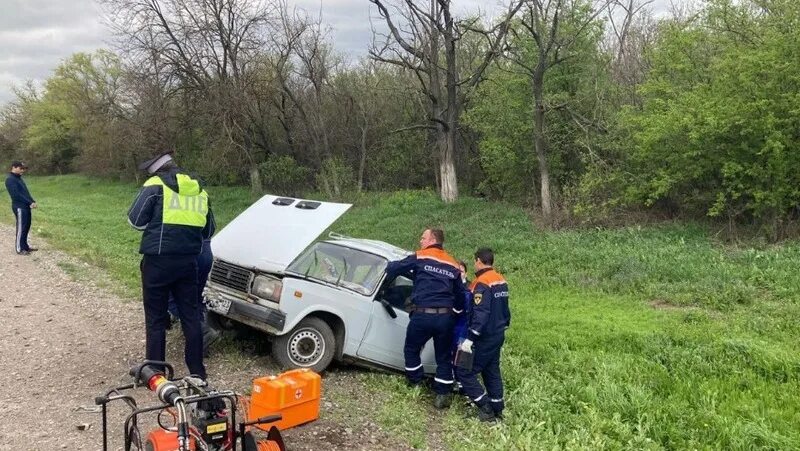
{"x": 320, "y": 300}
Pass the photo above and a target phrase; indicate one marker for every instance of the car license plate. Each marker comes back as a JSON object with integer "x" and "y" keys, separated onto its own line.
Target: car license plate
{"x": 219, "y": 305}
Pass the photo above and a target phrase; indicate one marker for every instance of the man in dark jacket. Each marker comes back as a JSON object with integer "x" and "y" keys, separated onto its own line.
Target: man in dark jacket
{"x": 21, "y": 205}
{"x": 172, "y": 210}
{"x": 438, "y": 295}
{"x": 488, "y": 321}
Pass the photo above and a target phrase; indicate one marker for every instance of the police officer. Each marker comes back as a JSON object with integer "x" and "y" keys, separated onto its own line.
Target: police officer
{"x": 172, "y": 210}
{"x": 438, "y": 290}
{"x": 21, "y": 205}
{"x": 204, "y": 262}
{"x": 488, "y": 321}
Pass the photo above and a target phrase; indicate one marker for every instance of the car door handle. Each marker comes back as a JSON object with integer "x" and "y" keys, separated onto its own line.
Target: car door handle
{"x": 388, "y": 307}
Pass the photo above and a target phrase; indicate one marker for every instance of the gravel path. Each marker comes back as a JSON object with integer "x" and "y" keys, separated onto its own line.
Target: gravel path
{"x": 65, "y": 340}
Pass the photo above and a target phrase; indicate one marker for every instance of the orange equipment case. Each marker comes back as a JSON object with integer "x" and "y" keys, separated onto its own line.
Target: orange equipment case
{"x": 294, "y": 394}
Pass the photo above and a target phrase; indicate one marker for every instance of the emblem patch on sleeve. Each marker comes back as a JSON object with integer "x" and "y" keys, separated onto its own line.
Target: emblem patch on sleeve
{"x": 478, "y": 298}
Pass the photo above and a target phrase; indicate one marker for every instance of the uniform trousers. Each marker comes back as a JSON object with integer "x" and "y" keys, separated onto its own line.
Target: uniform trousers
{"x": 176, "y": 274}
{"x": 421, "y": 328}
{"x": 486, "y": 363}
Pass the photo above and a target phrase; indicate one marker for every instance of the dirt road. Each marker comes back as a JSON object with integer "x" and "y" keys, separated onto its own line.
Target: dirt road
{"x": 66, "y": 340}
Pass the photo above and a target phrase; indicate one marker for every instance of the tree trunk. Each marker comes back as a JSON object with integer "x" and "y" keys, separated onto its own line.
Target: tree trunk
{"x": 284, "y": 119}
{"x": 322, "y": 184}
{"x": 362, "y": 164}
{"x": 255, "y": 180}
{"x": 337, "y": 185}
{"x": 447, "y": 166}
{"x": 448, "y": 162}
{"x": 135, "y": 168}
{"x": 540, "y": 142}
{"x": 437, "y": 174}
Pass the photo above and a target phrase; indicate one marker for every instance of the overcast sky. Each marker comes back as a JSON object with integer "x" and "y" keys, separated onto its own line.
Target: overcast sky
{"x": 35, "y": 35}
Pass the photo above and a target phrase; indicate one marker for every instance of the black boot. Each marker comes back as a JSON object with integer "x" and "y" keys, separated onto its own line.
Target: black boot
{"x": 486, "y": 413}
{"x": 442, "y": 401}
{"x": 210, "y": 336}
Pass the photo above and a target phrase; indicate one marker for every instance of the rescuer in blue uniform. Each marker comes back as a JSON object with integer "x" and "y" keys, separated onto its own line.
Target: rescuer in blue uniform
{"x": 438, "y": 292}
{"x": 21, "y": 205}
{"x": 172, "y": 210}
{"x": 488, "y": 321}
{"x": 462, "y": 316}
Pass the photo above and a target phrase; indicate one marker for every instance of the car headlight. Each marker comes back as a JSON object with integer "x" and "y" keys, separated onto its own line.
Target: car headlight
{"x": 267, "y": 288}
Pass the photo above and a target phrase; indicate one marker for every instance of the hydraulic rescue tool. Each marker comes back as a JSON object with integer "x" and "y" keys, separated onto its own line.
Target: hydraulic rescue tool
{"x": 191, "y": 415}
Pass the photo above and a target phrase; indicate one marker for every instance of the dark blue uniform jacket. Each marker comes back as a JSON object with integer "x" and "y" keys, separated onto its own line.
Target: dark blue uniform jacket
{"x": 437, "y": 279}
{"x": 166, "y": 239}
{"x": 490, "y": 312}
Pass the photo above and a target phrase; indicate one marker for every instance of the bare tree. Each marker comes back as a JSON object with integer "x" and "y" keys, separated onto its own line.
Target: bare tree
{"x": 621, "y": 23}
{"x": 366, "y": 106}
{"x": 316, "y": 63}
{"x": 364, "y": 91}
{"x": 295, "y": 57}
{"x": 15, "y": 118}
{"x": 204, "y": 46}
{"x": 423, "y": 38}
{"x": 684, "y": 11}
{"x": 632, "y": 32}
{"x": 556, "y": 27}
{"x": 282, "y": 47}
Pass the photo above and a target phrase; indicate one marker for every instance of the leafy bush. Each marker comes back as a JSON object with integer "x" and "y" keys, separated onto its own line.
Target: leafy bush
{"x": 335, "y": 178}
{"x": 397, "y": 165}
{"x": 282, "y": 175}
{"x": 719, "y": 123}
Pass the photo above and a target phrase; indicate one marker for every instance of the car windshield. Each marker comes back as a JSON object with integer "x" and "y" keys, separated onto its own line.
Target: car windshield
{"x": 341, "y": 266}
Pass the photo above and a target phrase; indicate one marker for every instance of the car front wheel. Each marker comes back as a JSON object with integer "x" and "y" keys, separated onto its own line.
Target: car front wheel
{"x": 311, "y": 344}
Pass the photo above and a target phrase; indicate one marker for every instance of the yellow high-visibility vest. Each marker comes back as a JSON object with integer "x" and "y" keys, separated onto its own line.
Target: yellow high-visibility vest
{"x": 188, "y": 206}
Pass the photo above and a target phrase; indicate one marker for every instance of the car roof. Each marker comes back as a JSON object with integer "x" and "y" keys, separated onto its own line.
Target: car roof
{"x": 386, "y": 250}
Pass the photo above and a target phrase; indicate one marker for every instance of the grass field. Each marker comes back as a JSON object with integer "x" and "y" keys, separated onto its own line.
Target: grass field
{"x": 632, "y": 338}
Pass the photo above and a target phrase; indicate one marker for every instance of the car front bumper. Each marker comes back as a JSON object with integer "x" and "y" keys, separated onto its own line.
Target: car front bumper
{"x": 263, "y": 318}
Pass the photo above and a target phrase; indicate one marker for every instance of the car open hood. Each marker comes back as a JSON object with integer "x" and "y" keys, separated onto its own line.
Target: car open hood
{"x": 272, "y": 232}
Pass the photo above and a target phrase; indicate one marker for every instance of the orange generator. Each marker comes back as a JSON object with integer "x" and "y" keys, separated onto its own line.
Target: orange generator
{"x": 294, "y": 394}
{"x": 162, "y": 440}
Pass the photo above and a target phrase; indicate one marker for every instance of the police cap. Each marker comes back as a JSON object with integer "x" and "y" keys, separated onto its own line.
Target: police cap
{"x": 154, "y": 164}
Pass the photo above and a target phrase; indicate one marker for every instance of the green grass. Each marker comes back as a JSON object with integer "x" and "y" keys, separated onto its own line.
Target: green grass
{"x": 88, "y": 218}
{"x": 631, "y": 338}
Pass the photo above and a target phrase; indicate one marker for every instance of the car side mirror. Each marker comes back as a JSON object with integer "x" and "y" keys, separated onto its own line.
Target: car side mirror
{"x": 388, "y": 307}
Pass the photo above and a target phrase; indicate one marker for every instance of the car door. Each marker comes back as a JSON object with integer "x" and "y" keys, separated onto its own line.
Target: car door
{"x": 385, "y": 335}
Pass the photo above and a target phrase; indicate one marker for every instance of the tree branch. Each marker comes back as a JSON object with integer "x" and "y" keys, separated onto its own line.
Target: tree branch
{"x": 413, "y": 127}
{"x": 395, "y": 32}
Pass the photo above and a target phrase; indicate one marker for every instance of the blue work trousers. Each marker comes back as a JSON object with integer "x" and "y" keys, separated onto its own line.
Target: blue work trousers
{"x": 421, "y": 328}
{"x": 486, "y": 363}
{"x": 162, "y": 275}
{"x": 204, "y": 262}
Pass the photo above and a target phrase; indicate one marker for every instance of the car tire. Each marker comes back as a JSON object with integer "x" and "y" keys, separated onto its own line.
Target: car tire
{"x": 218, "y": 322}
{"x": 213, "y": 320}
{"x": 311, "y": 344}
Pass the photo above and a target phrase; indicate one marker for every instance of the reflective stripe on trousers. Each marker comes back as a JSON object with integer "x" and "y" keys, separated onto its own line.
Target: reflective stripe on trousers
{"x": 422, "y": 327}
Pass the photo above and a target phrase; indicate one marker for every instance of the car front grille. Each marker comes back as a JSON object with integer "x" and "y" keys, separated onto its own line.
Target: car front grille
{"x": 231, "y": 276}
